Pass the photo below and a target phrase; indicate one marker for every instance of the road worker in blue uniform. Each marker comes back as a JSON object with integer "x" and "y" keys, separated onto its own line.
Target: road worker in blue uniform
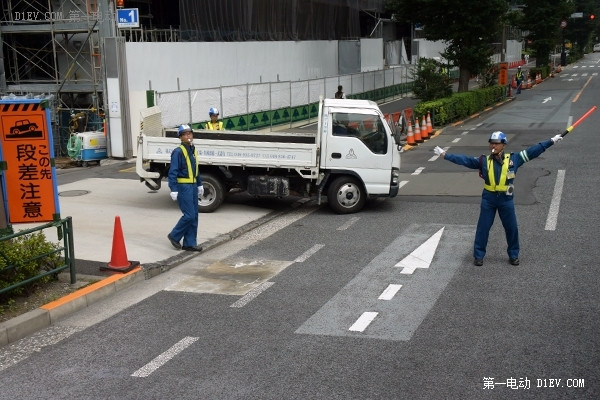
{"x": 498, "y": 170}
{"x": 519, "y": 77}
{"x": 214, "y": 124}
{"x": 186, "y": 185}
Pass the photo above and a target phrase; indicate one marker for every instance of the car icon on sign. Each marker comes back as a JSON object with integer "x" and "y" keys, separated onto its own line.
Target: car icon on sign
{"x": 23, "y": 126}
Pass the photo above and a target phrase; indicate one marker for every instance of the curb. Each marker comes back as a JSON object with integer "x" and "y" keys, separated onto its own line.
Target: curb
{"x": 32, "y": 321}
{"x": 26, "y": 324}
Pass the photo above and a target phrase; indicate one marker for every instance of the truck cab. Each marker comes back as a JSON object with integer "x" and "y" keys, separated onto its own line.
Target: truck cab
{"x": 358, "y": 146}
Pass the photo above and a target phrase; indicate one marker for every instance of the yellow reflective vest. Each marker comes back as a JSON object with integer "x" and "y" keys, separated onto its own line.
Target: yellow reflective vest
{"x": 502, "y": 185}
{"x": 218, "y": 126}
{"x": 191, "y": 178}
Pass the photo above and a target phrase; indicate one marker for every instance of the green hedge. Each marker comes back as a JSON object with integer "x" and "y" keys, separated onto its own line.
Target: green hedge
{"x": 23, "y": 258}
{"x": 460, "y": 105}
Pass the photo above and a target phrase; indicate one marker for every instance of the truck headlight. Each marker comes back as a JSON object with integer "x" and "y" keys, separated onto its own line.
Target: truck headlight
{"x": 395, "y": 176}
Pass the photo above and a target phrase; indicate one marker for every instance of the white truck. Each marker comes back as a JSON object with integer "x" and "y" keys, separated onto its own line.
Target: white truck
{"x": 351, "y": 157}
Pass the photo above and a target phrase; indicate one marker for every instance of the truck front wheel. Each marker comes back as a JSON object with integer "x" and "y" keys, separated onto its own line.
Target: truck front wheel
{"x": 346, "y": 195}
{"x": 213, "y": 196}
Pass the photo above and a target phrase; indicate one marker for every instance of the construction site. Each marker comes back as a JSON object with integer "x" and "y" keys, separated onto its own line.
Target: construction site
{"x": 57, "y": 49}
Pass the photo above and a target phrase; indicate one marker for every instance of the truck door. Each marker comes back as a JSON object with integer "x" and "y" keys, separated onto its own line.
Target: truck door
{"x": 356, "y": 140}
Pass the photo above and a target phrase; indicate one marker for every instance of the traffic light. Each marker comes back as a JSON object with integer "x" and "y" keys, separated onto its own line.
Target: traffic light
{"x": 592, "y": 16}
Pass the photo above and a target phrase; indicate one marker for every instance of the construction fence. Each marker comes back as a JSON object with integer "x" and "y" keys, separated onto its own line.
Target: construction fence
{"x": 267, "y": 105}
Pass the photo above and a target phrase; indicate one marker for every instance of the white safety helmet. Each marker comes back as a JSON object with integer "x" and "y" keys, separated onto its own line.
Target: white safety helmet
{"x": 498, "y": 137}
{"x": 213, "y": 111}
{"x": 183, "y": 128}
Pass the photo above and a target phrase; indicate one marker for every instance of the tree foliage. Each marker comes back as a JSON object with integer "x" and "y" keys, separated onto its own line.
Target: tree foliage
{"x": 542, "y": 19}
{"x": 468, "y": 30}
{"x": 429, "y": 81}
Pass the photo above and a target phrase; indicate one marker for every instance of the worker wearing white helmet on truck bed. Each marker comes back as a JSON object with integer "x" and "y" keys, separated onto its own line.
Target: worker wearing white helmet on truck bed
{"x": 498, "y": 170}
{"x": 214, "y": 124}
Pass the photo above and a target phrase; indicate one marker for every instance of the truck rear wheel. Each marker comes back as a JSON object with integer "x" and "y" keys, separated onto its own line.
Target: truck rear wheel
{"x": 346, "y": 195}
{"x": 213, "y": 196}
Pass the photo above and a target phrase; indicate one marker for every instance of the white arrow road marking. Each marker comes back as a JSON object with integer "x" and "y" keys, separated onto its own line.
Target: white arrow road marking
{"x": 547, "y": 99}
{"x": 162, "y": 359}
{"x": 376, "y": 288}
{"x": 421, "y": 257}
{"x": 363, "y": 321}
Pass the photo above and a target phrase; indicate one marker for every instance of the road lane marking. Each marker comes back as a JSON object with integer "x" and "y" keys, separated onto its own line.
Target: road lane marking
{"x": 402, "y": 183}
{"x": 363, "y": 321}
{"x": 555, "y": 203}
{"x": 418, "y": 171}
{"x": 436, "y": 156}
{"x": 303, "y": 257}
{"x": 398, "y": 319}
{"x": 162, "y": 359}
{"x": 252, "y": 294}
{"x": 422, "y": 256}
{"x": 456, "y": 140}
{"x": 348, "y": 224}
{"x": 390, "y": 292}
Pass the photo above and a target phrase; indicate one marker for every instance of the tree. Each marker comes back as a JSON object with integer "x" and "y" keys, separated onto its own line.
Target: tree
{"x": 582, "y": 31}
{"x": 542, "y": 19}
{"x": 468, "y": 29}
{"x": 429, "y": 82}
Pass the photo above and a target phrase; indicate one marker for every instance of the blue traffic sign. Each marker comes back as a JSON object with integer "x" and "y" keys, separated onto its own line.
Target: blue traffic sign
{"x": 128, "y": 18}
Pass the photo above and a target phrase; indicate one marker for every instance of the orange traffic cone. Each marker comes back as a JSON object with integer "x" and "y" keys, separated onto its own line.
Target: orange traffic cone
{"x": 424, "y": 131}
{"x": 410, "y": 137}
{"x": 418, "y": 137}
{"x": 429, "y": 125}
{"x": 118, "y": 261}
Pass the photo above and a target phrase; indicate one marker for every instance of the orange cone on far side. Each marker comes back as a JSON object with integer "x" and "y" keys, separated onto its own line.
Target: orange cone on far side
{"x": 418, "y": 137}
{"x": 424, "y": 131}
{"x": 429, "y": 125}
{"x": 118, "y": 261}
{"x": 410, "y": 137}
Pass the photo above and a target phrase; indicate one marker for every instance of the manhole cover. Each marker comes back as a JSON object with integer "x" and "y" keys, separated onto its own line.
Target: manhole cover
{"x": 73, "y": 193}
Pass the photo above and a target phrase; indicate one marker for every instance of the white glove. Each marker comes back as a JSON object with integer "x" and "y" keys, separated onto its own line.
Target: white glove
{"x": 438, "y": 151}
{"x": 174, "y": 195}
{"x": 556, "y": 139}
{"x": 200, "y": 190}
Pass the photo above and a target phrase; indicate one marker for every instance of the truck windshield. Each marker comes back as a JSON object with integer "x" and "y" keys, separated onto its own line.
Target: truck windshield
{"x": 367, "y": 128}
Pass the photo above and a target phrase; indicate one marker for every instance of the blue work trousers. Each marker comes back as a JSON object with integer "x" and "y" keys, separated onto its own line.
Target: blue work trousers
{"x": 490, "y": 203}
{"x": 187, "y": 226}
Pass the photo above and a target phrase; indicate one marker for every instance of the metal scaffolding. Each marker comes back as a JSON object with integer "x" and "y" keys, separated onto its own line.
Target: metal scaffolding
{"x": 53, "y": 47}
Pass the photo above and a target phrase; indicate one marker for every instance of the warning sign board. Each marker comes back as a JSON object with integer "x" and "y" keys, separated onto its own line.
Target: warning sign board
{"x": 27, "y": 155}
{"x": 503, "y": 74}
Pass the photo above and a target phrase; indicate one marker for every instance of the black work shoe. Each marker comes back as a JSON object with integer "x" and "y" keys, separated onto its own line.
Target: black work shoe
{"x": 192, "y": 248}
{"x": 478, "y": 262}
{"x": 513, "y": 261}
{"x": 174, "y": 242}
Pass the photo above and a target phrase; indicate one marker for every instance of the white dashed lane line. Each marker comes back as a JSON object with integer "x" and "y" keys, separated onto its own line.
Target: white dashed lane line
{"x": 165, "y": 357}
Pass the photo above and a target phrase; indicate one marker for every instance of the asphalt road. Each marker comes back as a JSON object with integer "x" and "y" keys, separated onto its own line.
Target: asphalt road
{"x": 384, "y": 304}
